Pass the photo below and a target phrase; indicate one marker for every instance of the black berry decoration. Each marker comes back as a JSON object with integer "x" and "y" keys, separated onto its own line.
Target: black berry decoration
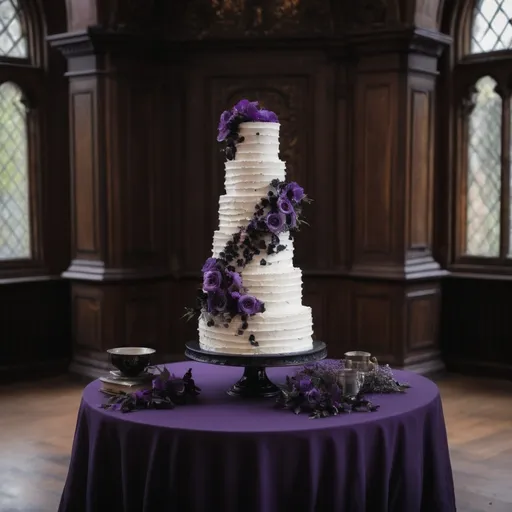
{"x": 252, "y": 341}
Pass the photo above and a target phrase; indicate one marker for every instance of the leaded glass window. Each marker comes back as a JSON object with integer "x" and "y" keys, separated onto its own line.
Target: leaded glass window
{"x": 14, "y": 187}
{"x": 15, "y": 219}
{"x": 492, "y": 26}
{"x": 13, "y": 41}
{"x": 482, "y": 80}
{"x": 484, "y": 171}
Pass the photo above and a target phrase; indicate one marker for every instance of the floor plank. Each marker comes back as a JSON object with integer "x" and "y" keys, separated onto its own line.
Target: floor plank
{"x": 37, "y": 423}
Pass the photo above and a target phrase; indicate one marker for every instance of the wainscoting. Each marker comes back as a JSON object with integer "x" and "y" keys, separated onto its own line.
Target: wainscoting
{"x": 476, "y": 325}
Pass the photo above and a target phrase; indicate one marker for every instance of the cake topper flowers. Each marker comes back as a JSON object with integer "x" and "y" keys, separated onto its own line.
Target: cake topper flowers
{"x": 244, "y": 111}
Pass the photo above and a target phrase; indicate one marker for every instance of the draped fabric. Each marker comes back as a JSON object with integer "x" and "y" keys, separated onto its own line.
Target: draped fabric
{"x": 230, "y": 454}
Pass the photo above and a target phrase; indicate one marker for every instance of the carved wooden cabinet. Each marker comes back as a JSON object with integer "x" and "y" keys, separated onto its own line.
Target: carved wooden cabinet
{"x": 354, "y": 89}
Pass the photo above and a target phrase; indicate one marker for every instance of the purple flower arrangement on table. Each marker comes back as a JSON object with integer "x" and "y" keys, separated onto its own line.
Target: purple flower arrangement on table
{"x": 223, "y": 296}
{"x": 316, "y": 389}
{"x": 244, "y": 111}
{"x": 166, "y": 392}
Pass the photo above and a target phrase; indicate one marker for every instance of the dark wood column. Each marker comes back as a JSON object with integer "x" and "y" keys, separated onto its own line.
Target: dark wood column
{"x": 396, "y": 287}
{"x": 120, "y": 206}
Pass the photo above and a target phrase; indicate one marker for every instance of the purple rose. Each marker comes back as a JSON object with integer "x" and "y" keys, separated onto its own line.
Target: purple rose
{"x": 294, "y": 192}
{"x": 284, "y": 205}
{"x": 275, "y": 222}
{"x": 209, "y": 264}
{"x": 212, "y": 280}
{"x": 304, "y": 385}
{"x": 248, "y": 109}
{"x": 217, "y": 301}
{"x": 249, "y": 305}
{"x": 235, "y": 280}
{"x": 267, "y": 116}
{"x": 224, "y": 129}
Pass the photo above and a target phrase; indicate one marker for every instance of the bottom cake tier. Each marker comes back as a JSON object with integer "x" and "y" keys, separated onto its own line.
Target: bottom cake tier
{"x": 286, "y": 332}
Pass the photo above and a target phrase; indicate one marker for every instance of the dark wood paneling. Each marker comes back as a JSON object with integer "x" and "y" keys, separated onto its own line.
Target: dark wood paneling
{"x": 86, "y": 180}
{"x": 85, "y": 173}
{"x": 422, "y": 304}
{"x": 87, "y": 315}
{"x": 375, "y": 159}
{"x": 420, "y": 221}
{"x": 373, "y": 320}
{"x": 476, "y": 326}
{"x": 36, "y": 327}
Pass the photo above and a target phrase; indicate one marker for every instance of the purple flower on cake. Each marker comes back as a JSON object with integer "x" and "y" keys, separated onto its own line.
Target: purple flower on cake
{"x": 249, "y": 305}
{"x": 285, "y": 206}
{"x": 209, "y": 264}
{"x": 242, "y": 112}
{"x": 235, "y": 280}
{"x": 275, "y": 222}
{"x": 294, "y": 192}
{"x": 248, "y": 109}
{"x": 224, "y": 128}
{"x": 267, "y": 116}
{"x": 212, "y": 280}
{"x": 217, "y": 301}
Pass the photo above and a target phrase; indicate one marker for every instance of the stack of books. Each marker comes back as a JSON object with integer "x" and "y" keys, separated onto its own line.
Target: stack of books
{"x": 116, "y": 382}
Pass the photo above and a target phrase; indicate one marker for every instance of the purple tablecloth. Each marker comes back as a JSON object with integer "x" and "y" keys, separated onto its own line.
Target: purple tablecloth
{"x": 232, "y": 455}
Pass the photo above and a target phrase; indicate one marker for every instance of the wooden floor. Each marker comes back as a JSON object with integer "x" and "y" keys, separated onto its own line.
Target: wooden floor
{"x": 37, "y": 422}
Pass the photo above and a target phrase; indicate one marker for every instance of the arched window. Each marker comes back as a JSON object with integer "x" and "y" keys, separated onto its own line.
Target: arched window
{"x": 482, "y": 79}
{"x": 20, "y": 91}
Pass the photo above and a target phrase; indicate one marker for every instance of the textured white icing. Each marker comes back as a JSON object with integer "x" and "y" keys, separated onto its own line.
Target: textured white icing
{"x": 286, "y": 325}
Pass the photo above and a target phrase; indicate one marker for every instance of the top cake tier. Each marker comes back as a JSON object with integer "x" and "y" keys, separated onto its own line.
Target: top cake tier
{"x": 260, "y": 142}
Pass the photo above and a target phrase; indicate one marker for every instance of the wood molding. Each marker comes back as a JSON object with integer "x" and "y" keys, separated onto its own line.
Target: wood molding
{"x": 394, "y": 185}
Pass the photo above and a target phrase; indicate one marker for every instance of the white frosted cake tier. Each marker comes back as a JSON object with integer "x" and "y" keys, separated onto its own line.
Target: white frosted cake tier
{"x": 286, "y": 325}
{"x": 278, "y": 332}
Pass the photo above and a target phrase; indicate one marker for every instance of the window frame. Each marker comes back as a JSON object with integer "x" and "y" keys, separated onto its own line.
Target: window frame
{"x": 466, "y": 69}
{"x": 29, "y": 75}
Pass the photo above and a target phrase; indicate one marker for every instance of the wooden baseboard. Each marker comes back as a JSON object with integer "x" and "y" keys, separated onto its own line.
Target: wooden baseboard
{"x": 480, "y": 368}
{"x": 33, "y": 370}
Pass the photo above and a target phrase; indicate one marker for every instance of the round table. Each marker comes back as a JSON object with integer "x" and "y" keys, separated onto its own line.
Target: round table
{"x": 233, "y": 455}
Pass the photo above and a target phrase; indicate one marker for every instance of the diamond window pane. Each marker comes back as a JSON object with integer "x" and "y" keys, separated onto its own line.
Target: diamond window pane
{"x": 13, "y": 40}
{"x": 14, "y": 188}
{"x": 484, "y": 172}
{"x": 492, "y": 26}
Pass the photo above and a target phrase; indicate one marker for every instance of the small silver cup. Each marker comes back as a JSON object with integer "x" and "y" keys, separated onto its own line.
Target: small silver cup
{"x": 350, "y": 381}
{"x": 361, "y": 361}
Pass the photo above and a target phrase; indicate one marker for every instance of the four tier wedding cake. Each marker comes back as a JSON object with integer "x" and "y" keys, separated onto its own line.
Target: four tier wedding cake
{"x": 251, "y": 297}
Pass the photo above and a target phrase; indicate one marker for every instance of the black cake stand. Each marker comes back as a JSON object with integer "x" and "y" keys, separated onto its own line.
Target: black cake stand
{"x": 255, "y": 382}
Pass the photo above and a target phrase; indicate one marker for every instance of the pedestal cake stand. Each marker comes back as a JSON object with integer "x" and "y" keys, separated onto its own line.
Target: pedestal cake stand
{"x": 255, "y": 382}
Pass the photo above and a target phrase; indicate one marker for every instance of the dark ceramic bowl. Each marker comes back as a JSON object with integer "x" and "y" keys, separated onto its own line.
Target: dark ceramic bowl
{"x": 131, "y": 361}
